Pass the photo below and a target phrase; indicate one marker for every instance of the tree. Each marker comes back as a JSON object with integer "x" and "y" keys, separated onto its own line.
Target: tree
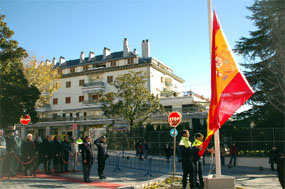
{"x": 265, "y": 65}
{"x": 42, "y": 75}
{"x": 132, "y": 101}
{"x": 16, "y": 96}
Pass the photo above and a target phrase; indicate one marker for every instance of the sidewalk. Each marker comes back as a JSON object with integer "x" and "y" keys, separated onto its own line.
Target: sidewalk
{"x": 248, "y": 178}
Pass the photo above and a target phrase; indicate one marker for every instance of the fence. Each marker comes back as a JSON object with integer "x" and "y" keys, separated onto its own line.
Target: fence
{"x": 250, "y": 142}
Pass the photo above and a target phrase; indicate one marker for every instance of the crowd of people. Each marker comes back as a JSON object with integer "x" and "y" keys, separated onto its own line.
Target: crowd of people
{"x": 17, "y": 155}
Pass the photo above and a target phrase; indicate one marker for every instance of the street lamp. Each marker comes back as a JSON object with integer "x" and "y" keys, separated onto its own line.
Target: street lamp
{"x": 74, "y": 132}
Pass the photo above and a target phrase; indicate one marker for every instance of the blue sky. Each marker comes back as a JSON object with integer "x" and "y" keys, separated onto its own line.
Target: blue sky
{"x": 177, "y": 30}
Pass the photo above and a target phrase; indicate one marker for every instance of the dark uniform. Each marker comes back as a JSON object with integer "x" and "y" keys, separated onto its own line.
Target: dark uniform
{"x": 28, "y": 152}
{"x": 66, "y": 151}
{"x": 198, "y": 166}
{"x": 101, "y": 157}
{"x": 88, "y": 156}
{"x": 47, "y": 150}
{"x": 9, "y": 162}
{"x": 57, "y": 153}
{"x": 187, "y": 162}
{"x": 39, "y": 158}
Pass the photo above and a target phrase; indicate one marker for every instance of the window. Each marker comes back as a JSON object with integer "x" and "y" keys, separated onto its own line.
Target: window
{"x": 113, "y": 63}
{"x": 67, "y": 100}
{"x": 68, "y": 84}
{"x": 81, "y": 82}
{"x": 85, "y": 68}
{"x": 81, "y": 98}
{"x": 63, "y": 115}
{"x": 72, "y": 70}
{"x": 110, "y": 79}
{"x": 168, "y": 108}
{"x": 96, "y": 97}
{"x": 130, "y": 60}
{"x": 55, "y": 101}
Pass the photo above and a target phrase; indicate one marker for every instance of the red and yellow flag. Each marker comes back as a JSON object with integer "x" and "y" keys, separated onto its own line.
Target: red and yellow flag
{"x": 230, "y": 89}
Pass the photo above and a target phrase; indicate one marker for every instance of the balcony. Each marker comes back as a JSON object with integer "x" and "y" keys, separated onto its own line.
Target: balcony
{"x": 44, "y": 108}
{"x": 68, "y": 119}
{"x": 93, "y": 87}
{"x": 92, "y": 103}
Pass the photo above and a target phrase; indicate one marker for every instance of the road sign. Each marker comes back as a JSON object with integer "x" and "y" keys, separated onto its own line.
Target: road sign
{"x": 25, "y": 119}
{"x": 74, "y": 126}
{"x": 172, "y": 131}
{"x": 174, "y": 119}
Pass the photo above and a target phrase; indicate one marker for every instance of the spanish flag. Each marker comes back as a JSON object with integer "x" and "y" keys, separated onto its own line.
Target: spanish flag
{"x": 230, "y": 89}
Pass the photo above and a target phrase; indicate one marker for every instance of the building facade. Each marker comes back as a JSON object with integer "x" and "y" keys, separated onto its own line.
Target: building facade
{"x": 86, "y": 79}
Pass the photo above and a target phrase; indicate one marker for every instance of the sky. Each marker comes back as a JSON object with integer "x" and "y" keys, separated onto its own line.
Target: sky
{"x": 177, "y": 30}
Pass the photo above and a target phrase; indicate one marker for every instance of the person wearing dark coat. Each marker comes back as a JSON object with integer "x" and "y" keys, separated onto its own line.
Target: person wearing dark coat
{"x": 28, "y": 153}
{"x": 47, "y": 151}
{"x": 66, "y": 149}
{"x": 102, "y": 155}
{"x": 274, "y": 156}
{"x": 167, "y": 151}
{"x": 39, "y": 160}
{"x": 2, "y": 151}
{"x": 87, "y": 158}
{"x": 57, "y": 152}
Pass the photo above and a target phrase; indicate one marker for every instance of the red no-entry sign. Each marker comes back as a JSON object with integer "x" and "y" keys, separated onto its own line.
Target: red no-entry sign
{"x": 174, "y": 119}
{"x": 74, "y": 126}
{"x": 25, "y": 119}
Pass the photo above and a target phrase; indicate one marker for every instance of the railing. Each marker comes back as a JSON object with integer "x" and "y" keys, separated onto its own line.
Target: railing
{"x": 94, "y": 84}
{"x": 70, "y": 118}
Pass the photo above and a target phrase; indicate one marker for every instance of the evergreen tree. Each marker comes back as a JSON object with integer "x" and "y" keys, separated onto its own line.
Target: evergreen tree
{"x": 264, "y": 52}
{"x": 16, "y": 97}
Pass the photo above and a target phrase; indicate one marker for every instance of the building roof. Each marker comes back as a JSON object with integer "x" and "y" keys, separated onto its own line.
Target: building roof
{"x": 99, "y": 59}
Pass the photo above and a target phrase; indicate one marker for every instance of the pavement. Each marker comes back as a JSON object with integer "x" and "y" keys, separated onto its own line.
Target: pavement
{"x": 245, "y": 177}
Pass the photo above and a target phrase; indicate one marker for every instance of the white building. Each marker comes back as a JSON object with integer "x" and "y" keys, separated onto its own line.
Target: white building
{"x": 86, "y": 79}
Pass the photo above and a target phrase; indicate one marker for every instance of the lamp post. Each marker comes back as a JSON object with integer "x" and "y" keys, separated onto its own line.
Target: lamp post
{"x": 74, "y": 132}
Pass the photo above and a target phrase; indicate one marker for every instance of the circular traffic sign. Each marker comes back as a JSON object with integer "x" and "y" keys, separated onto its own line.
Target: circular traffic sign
{"x": 25, "y": 119}
{"x": 172, "y": 132}
{"x": 174, "y": 119}
{"x": 74, "y": 126}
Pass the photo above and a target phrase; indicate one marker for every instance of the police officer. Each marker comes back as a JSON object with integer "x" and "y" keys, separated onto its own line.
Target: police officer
{"x": 2, "y": 151}
{"x": 187, "y": 159}
{"x": 57, "y": 149}
{"x": 87, "y": 158}
{"x": 198, "y": 174}
{"x": 102, "y": 155}
{"x": 10, "y": 161}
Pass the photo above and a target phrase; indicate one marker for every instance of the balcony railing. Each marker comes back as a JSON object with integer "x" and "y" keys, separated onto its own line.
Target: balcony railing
{"x": 93, "y": 87}
{"x": 80, "y": 118}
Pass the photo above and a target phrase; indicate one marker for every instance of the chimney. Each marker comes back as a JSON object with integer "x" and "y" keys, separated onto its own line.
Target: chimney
{"x": 106, "y": 52}
{"x": 81, "y": 57}
{"x": 54, "y": 61}
{"x": 91, "y": 55}
{"x": 145, "y": 49}
{"x": 135, "y": 52}
{"x": 126, "y": 48}
{"x": 61, "y": 60}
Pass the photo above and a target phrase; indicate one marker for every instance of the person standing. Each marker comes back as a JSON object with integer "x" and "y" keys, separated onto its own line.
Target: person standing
{"x": 233, "y": 153}
{"x": 167, "y": 151}
{"x": 66, "y": 148}
{"x": 187, "y": 159}
{"x": 28, "y": 153}
{"x": 141, "y": 151}
{"x": 2, "y": 151}
{"x": 145, "y": 149}
{"x": 47, "y": 153}
{"x": 102, "y": 155}
{"x": 18, "y": 150}
{"x": 57, "y": 149}
{"x": 87, "y": 158}
{"x": 274, "y": 156}
{"x": 74, "y": 154}
{"x": 10, "y": 148}
{"x": 39, "y": 159}
{"x": 198, "y": 166}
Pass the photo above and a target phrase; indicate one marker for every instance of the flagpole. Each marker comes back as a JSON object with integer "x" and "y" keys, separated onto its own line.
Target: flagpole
{"x": 217, "y": 133}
